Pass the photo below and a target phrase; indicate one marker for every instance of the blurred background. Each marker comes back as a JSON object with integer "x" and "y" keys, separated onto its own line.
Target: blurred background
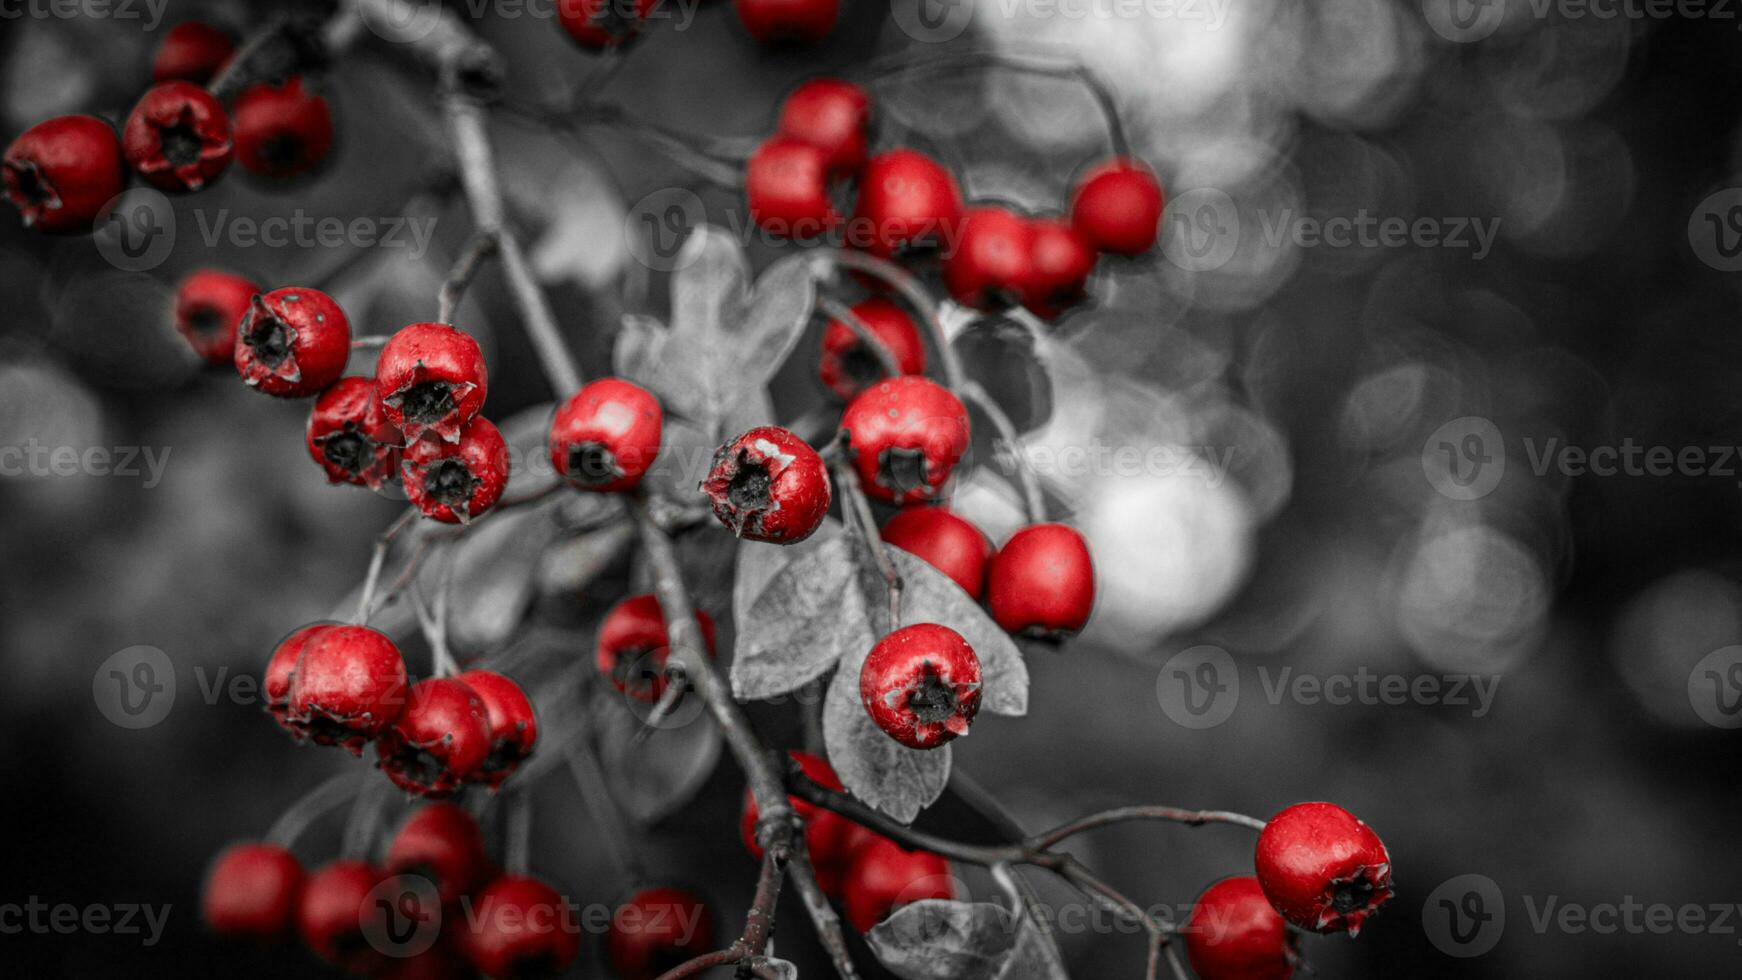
{"x": 1358, "y": 460}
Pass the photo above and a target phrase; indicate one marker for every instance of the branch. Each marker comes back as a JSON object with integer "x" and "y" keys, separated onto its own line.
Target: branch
{"x": 1191, "y": 818}
{"x": 379, "y": 558}
{"x": 481, "y": 247}
{"x": 1032, "y": 501}
{"x": 858, "y": 509}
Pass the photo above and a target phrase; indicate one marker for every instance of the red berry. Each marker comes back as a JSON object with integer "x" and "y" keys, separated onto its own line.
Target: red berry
{"x": 906, "y": 200}
{"x": 281, "y": 670}
{"x": 519, "y": 927}
{"x": 1042, "y": 582}
{"x": 769, "y": 485}
{"x": 192, "y": 51}
{"x": 332, "y": 912}
{"x": 282, "y": 131}
{"x": 607, "y": 435}
{"x": 348, "y": 686}
{"x": 439, "y": 740}
{"x": 513, "y": 725}
{"x": 991, "y": 258}
{"x": 251, "y": 891}
{"x": 884, "y": 877}
{"x": 59, "y": 173}
{"x": 656, "y": 930}
{"x": 457, "y": 482}
{"x": 178, "y": 137}
{"x": 442, "y": 843}
{"x": 786, "y": 186}
{"x": 944, "y": 541}
{"x": 827, "y": 835}
{"x": 349, "y": 436}
{"x": 849, "y": 365}
{"x": 1323, "y": 869}
{"x": 1234, "y": 934}
{"x": 634, "y": 646}
{"x": 1117, "y": 207}
{"x": 601, "y": 24}
{"x": 905, "y": 436}
{"x": 208, "y": 306}
{"x": 1059, "y": 264}
{"x": 292, "y": 342}
{"x": 831, "y": 115}
{"x": 431, "y": 377}
{"x": 788, "y": 21}
{"x": 921, "y": 685}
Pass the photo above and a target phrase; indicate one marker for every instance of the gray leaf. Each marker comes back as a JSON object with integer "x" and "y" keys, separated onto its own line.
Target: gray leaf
{"x": 936, "y": 939}
{"x": 810, "y": 614}
{"x": 759, "y": 562}
{"x": 874, "y": 767}
{"x": 493, "y": 578}
{"x": 653, "y": 778}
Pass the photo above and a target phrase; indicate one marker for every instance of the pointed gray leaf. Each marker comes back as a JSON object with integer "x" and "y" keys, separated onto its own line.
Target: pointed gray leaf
{"x": 937, "y": 939}
{"x": 809, "y": 616}
{"x": 874, "y": 767}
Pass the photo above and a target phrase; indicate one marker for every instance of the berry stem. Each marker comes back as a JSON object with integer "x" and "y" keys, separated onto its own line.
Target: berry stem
{"x": 838, "y": 310}
{"x": 517, "y": 847}
{"x": 1191, "y": 818}
{"x": 825, "y": 261}
{"x": 359, "y": 834}
{"x": 608, "y": 817}
{"x": 383, "y": 544}
{"x": 858, "y": 510}
{"x": 294, "y": 821}
{"x": 370, "y": 343}
{"x": 285, "y": 46}
{"x": 1033, "y": 502}
{"x": 470, "y": 260}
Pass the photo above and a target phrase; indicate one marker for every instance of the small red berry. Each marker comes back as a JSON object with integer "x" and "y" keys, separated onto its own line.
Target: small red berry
{"x": 209, "y": 304}
{"x": 601, "y": 24}
{"x": 251, "y": 891}
{"x": 786, "y": 186}
{"x": 656, "y": 930}
{"x": 1117, "y": 207}
{"x": 1234, "y": 934}
{"x": 192, "y": 51}
{"x": 178, "y": 137}
{"x": 831, "y": 115}
{"x": 849, "y": 365}
{"x": 827, "y": 835}
{"x": 607, "y": 435}
{"x": 513, "y": 725}
{"x": 788, "y": 21}
{"x": 991, "y": 258}
{"x": 520, "y": 927}
{"x": 60, "y": 172}
{"x": 349, "y": 436}
{"x": 1059, "y": 264}
{"x": 282, "y": 131}
{"x": 944, "y": 541}
{"x": 348, "y": 686}
{"x": 884, "y": 877}
{"x": 905, "y": 436}
{"x": 281, "y": 670}
{"x": 921, "y": 685}
{"x": 332, "y": 913}
{"x": 1042, "y": 582}
{"x": 1323, "y": 869}
{"x": 442, "y": 843}
{"x": 431, "y": 377}
{"x": 457, "y": 482}
{"x": 292, "y": 342}
{"x": 439, "y": 740}
{"x": 769, "y": 485}
{"x": 907, "y": 200}
{"x": 634, "y": 646}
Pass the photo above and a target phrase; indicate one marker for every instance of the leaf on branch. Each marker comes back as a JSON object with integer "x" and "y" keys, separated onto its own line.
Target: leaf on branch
{"x": 935, "y": 939}
{"x": 874, "y": 767}
{"x": 494, "y": 577}
{"x": 654, "y": 777}
{"x": 804, "y": 621}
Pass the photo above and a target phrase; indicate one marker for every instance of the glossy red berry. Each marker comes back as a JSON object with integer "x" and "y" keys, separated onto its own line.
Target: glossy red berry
{"x": 281, "y": 669}
{"x": 192, "y": 51}
{"x": 827, "y": 835}
{"x": 831, "y": 115}
{"x": 442, "y": 843}
{"x": 1059, "y": 264}
{"x": 633, "y": 646}
{"x": 1322, "y": 868}
{"x": 520, "y": 927}
{"x": 769, "y": 485}
{"x": 178, "y": 137}
{"x": 1117, "y": 207}
{"x": 348, "y": 686}
{"x": 1042, "y": 582}
{"x": 905, "y": 436}
{"x": 292, "y": 342}
{"x": 991, "y": 258}
{"x": 59, "y": 173}
{"x": 944, "y": 541}
{"x": 921, "y": 685}
{"x": 513, "y": 725}
{"x": 349, "y": 437}
{"x": 251, "y": 892}
{"x": 849, "y": 365}
{"x": 885, "y": 877}
{"x": 907, "y": 200}
{"x": 209, "y": 304}
{"x": 282, "y": 131}
{"x": 656, "y": 930}
{"x": 439, "y": 740}
{"x": 1234, "y": 934}
{"x": 457, "y": 482}
{"x": 788, "y": 21}
{"x": 786, "y": 186}
{"x": 607, "y": 435}
{"x": 432, "y": 379}
{"x": 332, "y": 913}
{"x": 601, "y": 24}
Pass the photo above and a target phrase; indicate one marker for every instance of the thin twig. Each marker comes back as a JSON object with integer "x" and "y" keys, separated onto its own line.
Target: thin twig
{"x": 1033, "y": 502}
{"x": 1191, "y": 818}
{"x": 859, "y": 510}
{"x": 910, "y": 289}
{"x": 517, "y": 850}
{"x": 608, "y": 817}
{"x": 868, "y": 337}
{"x": 382, "y": 545}
{"x": 293, "y": 821}
{"x": 481, "y": 247}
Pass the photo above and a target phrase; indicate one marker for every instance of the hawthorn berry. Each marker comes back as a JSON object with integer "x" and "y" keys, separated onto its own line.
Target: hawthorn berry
{"x": 349, "y": 437}
{"x": 849, "y": 365}
{"x": 1042, "y": 582}
{"x": 907, "y": 201}
{"x": 991, "y": 258}
{"x": 885, "y": 876}
{"x": 281, "y": 669}
{"x": 827, "y": 835}
{"x": 292, "y": 342}
{"x": 1059, "y": 264}
{"x": 769, "y": 485}
{"x": 905, "y": 436}
{"x": 347, "y": 687}
{"x": 513, "y": 725}
{"x": 1117, "y": 207}
{"x": 1322, "y": 868}
{"x": 209, "y": 304}
{"x": 634, "y": 646}
{"x": 178, "y": 137}
{"x": 192, "y": 51}
{"x": 60, "y": 173}
{"x": 921, "y": 685}
{"x": 607, "y": 435}
{"x": 601, "y": 24}
{"x": 945, "y": 541}
{"x": 332, "y": 913}
{"x": 786, "y": 187}
{"x": 788, "y": 21}
{"x": 251, "y": 892}
{"x": 460, "y": 481}
{"x": 432, "y": 378}
{"x": 439, "y": 740}
{"x": 282, "y": 131}
{"x": 442, "y": 843}
{"x": 520, "y": 927}
{"x": 1234, "y": 934}
{"x": 656, "y": 930}
{"x": 831, "y": 115}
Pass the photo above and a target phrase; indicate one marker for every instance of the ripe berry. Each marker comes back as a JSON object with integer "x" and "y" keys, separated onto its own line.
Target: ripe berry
{"x": 192, "y": 51}
{"x": 788, "y": 21}
{"x": 209, "y": 304}
{"x": 178, "y": 137}
{"x": 786, "y": 186}
{"x": 281, "y": 669}
{"x": 431, "y": 377}
{"x": 991, "y": 258}
{"x": 1234, "y": 934}
{"x": 439, "y": 740}
{"x": 251, "y": 891}
{"x": 849, "y": 365}
{"x": 884, "y": 877}
{"x": 656, "y": 930}
{"x": 1117, "y": 207}
{"x": 944, "y": 541}
{"x": 282, "y": 131}
{"x": 921, "y": 685}
{"x": 831, "y": 115}
{"x": 634, "y": 646}
{"x": 348, "y": 686}
{"x": 520, "y": 927}
{"x": 1059, "y": 264}
{"x": 905, "y": 436}
{"x": 607, "y": 435}
{"x": 601, "y": 24}
{"x": 768, "y": 485}
{"x": 457, "y": 482}
{"x": 513, "y": 725}
{"x": 1042, "y": 583}
{"x": 332, "y": 911}
{"x": 907, "y": 200}
{"x": 1323, "y": 869}
{"x": 59, "y": 173}
{"x": 827, "y": 835}
{"x": 292, "y": 342}
{"x": 442, "y": 843}
{"x": 349, "y": 436}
